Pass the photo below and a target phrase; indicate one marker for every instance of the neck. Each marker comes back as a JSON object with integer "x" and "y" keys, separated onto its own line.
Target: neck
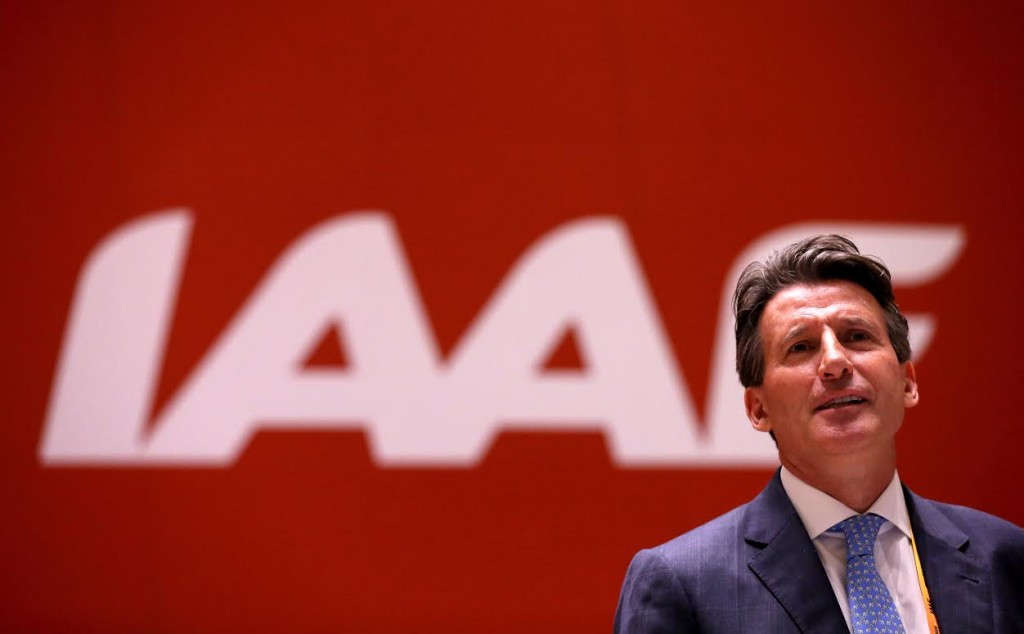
{"x": 855, "y": 485}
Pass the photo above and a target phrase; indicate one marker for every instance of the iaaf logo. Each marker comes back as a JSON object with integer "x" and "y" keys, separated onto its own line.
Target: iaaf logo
{"x": 415, "y": 407}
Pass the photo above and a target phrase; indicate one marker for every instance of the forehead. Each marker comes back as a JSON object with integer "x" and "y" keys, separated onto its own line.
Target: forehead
{"x": 822, "y": 301}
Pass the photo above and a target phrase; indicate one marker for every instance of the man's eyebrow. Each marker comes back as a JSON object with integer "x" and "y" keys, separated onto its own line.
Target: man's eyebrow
{"x": 795, "y": 332}
{"x": 857, "y": 320}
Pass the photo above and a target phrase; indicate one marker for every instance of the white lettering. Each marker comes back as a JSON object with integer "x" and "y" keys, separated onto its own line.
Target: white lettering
{"x": 417, "y": 409}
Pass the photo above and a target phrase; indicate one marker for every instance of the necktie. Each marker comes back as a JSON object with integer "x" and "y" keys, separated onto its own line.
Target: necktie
{"x": 871, "y": 606}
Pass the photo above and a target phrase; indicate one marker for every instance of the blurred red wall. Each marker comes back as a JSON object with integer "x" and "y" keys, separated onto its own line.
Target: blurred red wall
{"x": 479, "y": 128}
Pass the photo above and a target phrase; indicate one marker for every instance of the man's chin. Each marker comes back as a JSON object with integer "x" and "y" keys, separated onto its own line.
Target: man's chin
{"x": 847, "y": 434}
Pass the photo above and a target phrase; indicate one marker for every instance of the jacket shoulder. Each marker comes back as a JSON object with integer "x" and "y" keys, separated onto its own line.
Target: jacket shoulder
{"x": 984, "y": 530}
{"x": 705, "y": 543}
{"x": 661, "y": 593}
{"x": 994, "y": 542}
{"x": 966, "y": 543}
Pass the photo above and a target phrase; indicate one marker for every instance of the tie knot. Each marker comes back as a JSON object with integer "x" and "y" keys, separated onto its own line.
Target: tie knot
{"x": 860, "y": 531}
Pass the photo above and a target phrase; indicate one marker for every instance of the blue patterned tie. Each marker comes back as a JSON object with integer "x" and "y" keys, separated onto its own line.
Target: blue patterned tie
{"x": 871, "y": 605}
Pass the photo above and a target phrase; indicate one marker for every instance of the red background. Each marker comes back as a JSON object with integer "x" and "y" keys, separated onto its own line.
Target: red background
{"x": 479, "y": 127}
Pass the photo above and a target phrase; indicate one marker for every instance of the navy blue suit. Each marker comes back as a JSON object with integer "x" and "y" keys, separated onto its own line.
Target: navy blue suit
{"x": 755, "y": 569}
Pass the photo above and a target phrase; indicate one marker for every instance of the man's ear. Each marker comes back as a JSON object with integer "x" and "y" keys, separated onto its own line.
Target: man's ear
{"x": 756, "y": 411}
{"x": 910, "y": 395}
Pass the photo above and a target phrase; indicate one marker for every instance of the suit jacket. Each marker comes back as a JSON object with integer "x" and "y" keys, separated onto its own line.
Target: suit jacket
{"x": 755, "y": 569}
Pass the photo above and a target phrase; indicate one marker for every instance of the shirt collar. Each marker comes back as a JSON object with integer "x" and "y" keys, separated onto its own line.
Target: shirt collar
{"x": 820, "y": 511}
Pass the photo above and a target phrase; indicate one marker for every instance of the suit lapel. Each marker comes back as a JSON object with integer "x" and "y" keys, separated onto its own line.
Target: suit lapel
{"x": 787, "y": 563}
{"x": 959, "y": 584}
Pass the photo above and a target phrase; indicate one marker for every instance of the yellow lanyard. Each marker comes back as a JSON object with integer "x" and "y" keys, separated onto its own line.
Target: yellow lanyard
{"x": 933, "y": 623}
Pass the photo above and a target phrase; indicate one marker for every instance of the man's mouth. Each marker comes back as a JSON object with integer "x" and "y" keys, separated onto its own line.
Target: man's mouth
{"x": 842, "y": 401}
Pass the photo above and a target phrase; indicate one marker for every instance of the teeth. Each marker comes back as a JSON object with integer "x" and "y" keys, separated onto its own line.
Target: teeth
{"x": 842, "y": 401}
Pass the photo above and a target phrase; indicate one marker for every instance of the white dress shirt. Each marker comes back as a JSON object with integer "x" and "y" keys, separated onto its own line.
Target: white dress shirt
{"x": 894, "y": 555}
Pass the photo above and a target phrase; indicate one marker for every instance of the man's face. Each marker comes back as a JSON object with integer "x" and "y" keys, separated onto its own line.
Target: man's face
{"x": 833, "y": 388}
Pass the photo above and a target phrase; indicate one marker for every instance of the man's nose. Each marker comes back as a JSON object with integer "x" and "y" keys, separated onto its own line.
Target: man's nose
{"x": 834, "y": 362}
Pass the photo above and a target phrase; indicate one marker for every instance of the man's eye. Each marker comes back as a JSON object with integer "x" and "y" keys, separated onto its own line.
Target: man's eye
{"x": 859, "y": 335}
{"x": 799, "y": 347}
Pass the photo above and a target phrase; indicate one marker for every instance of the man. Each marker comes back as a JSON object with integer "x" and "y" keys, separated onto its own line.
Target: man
{"x": 823, "y": 354}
